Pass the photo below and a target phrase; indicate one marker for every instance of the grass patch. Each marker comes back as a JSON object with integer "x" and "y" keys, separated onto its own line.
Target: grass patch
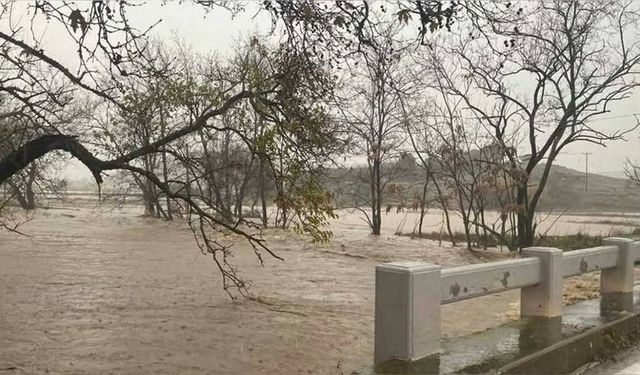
{"x": 569, "y": 242}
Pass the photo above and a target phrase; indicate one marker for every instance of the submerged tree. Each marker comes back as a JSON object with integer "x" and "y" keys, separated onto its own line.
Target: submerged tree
{"x": 112, "y": 51}
{"x": 373, "y": 115}
{"x": 146, "y": 112}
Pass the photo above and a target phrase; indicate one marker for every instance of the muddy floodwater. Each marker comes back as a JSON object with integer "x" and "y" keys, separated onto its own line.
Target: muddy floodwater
{"x": 98, "y": 290}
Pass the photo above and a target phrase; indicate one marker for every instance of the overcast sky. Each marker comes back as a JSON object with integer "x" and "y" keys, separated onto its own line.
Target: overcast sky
{"x": 218, "y": 31}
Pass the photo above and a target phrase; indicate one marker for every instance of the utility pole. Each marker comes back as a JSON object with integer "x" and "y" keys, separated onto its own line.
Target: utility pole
{"x": 586, "y": 171}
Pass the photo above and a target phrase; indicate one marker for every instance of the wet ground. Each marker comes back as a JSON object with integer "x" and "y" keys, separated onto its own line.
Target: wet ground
{"x": 106, "y": 291}
{"x": 626, "y": 362}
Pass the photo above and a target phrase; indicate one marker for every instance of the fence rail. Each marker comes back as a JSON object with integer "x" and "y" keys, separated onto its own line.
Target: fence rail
{"x": 409, "y": 295}
{"x": 589, "y": 260}
{"x": 478, "y": 280}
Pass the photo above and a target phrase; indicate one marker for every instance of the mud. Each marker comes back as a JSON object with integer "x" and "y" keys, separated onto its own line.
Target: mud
{"x": 96, "y": 290}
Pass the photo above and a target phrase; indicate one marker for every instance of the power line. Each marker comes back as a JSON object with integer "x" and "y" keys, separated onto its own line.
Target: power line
{"x": 615, "y": 117}
{"x": 480, "y": 117}
{"x": 586, "y": 170}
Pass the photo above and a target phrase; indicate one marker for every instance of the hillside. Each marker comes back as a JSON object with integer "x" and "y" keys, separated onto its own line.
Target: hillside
{"x": 565, "y": 190}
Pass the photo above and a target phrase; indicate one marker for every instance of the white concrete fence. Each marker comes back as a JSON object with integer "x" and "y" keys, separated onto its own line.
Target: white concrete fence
{"x": 409, "y": 294}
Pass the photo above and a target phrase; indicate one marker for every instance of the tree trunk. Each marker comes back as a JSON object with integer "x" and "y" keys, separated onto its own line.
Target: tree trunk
{"x": 31, "y": 198}
{"x": 187, "y": 179}
{"x": 148, "y": 198}
{"x": 165, "y": 172}
{"x": 263, "y": 199}
{"x": 423, "y": 203}
{"x": 19, "y": 196}
{"x": 226, "y": 165}
{"x": 484, "y": 227}
{"x": 525, "y": 222}
{"x": 527, "y": 207}
{"x": 376, "y": 199}
{"x": 445, "y": 210}
{"x": 467, "y": 230}
{"x": 212, "y": 186}
{"x": 242, "y": 190}
{"x": 26, "y": 196}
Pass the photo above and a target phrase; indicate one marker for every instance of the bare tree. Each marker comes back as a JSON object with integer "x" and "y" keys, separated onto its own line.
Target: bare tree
{"x": 541, "y": 74}
{"x": 374, "y": 114}
{"x": 632, "y": 171}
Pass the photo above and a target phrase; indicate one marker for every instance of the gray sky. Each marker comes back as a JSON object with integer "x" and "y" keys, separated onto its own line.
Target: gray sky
{"x": 218, "y": 31}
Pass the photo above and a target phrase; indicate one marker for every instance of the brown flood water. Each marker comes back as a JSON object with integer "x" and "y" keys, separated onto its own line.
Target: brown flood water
{"x": 106, "y": 291}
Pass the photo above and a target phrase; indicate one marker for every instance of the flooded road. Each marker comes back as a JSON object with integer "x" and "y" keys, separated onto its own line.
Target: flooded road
{"x": 107, "y": 291}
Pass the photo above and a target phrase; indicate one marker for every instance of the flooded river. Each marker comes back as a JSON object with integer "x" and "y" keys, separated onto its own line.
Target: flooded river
{"x": 97, "y": 290}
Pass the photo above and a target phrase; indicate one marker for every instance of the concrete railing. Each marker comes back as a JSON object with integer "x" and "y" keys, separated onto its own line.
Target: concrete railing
{"x": 409, "y": 294}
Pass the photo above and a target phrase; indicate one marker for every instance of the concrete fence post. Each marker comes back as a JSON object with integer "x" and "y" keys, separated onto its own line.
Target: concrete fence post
{"x": 544, "y": 300}
{"x": 616, "y": 284}
{"x": 407, "y": 311}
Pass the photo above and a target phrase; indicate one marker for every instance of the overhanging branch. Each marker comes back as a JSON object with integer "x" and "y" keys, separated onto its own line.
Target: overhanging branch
{"x": 33, "y": 150}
